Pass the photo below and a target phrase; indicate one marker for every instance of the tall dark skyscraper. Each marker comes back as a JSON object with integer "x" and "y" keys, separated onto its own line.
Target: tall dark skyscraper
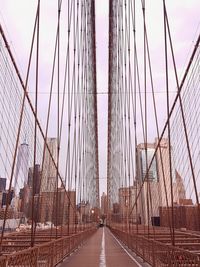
{"x": 2, "y": 184}
{"x": 36, "y": 178}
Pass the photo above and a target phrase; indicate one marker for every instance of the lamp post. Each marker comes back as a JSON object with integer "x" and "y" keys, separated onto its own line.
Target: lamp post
{"x": 92, "y": 211}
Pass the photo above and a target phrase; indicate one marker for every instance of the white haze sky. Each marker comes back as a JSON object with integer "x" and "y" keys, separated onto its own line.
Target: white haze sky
{"x": 17, "y": 18}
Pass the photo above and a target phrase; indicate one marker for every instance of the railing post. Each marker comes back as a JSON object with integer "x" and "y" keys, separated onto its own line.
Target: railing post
{"x": 69, "y": 244}
{"x": 143, "y": 248}
{"x": 153, "y": 252}
{"x": 6, "y": 261}
{"x": 62, "y": 248}
{"x": 52, "y": 255}
{"x": 36, "y": 260}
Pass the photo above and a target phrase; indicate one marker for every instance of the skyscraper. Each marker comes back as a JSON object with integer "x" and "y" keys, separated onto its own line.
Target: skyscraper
{"x": 144, "y": 158}
{"x": 163, "y": 166}
{"x": 104, "y": 204}
{"x": 36, "y": 179}
{"x": 179, "y": 189}
{"x": 156, "y": 186}
{"x": 21, "y": 173}
{"x": 48, "y": 180}
{"x": 2, "y": 184}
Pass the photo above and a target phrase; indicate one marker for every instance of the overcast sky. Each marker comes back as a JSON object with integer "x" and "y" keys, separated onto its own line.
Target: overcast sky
{"x": 17, "y": 19}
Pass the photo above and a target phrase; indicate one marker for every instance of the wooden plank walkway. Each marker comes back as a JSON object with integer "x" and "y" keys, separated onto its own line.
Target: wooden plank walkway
{"x": 101, "y": 250}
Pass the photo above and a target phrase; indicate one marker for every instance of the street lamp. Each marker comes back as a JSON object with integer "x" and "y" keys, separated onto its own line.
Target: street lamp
{"x": 92, "y": 216}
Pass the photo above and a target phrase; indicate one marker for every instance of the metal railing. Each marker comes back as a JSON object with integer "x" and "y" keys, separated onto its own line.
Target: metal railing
{"x": 156, "y": 253}
{"x": 46, "y": 255}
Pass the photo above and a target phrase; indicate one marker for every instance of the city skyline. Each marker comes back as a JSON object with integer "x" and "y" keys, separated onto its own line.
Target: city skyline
{"x": 15, "y": 26}
{"x": 99, "y": 133}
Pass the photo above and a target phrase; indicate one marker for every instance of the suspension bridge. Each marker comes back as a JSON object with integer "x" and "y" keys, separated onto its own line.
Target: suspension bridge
{"x": 50, "y": 212}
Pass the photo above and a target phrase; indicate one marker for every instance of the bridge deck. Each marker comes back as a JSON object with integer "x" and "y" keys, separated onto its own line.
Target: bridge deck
{"x": 101, "y": 250}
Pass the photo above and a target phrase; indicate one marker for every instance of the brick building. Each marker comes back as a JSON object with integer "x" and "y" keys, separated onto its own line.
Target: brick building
{"x": 185, "y": 216}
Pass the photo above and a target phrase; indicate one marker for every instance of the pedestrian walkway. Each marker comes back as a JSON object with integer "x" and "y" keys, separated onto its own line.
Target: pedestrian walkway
{"x": 101, "y": 250}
